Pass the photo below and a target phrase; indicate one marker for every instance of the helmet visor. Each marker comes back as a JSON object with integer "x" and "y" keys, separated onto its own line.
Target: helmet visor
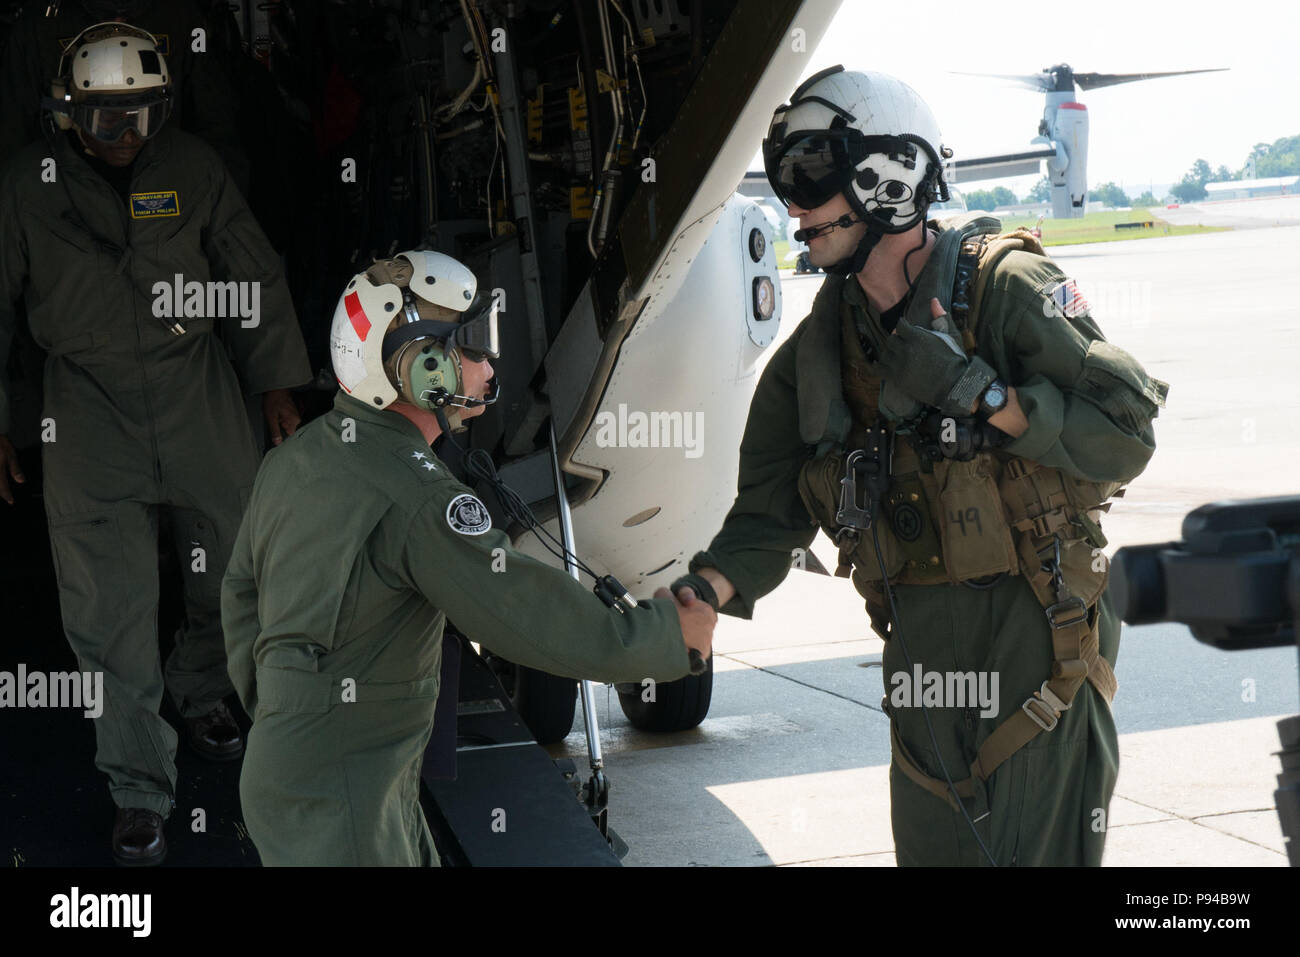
{"x": 810, "y": 167}
{"x": 476, "y": 334}
{"x": 108, "y": 118}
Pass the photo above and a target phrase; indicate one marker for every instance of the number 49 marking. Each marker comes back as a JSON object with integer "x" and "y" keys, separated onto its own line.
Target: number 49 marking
{"x": 972, "y": 515}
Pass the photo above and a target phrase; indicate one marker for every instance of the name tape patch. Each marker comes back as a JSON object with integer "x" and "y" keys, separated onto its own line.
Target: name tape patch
{"x": 149, "y": 205}
{"x": 467, "y": 515}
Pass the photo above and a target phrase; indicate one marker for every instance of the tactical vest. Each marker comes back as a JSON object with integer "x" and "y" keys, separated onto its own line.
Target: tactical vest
{"x": 970, "y": 522}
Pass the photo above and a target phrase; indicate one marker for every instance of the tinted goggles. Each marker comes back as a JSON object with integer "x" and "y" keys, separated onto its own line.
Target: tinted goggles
{"x": 107, "y": 119}
{"x": 808, "y": 168}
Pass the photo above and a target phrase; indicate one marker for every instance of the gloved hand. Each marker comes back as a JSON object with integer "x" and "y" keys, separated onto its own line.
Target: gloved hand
{"x": 697, "y": 616}
{"x": 933, "y": 369}
{"x": 962, "y": 438}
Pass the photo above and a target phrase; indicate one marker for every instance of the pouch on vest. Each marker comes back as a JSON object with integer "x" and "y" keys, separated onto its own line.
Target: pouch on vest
{"x": 819, "y": 487}
{"x": 976, "y": 539}
{"x": 1043, "y": 503}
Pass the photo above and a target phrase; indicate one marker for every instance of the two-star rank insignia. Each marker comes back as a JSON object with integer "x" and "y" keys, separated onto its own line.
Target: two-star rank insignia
{"x": 424, "y": 461}
{"x": 421, "y": 462}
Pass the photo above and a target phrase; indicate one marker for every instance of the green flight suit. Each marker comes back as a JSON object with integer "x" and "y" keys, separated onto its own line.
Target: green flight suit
{"x": 357, "y": 545}
{"x": 142, "y": 418}
{"x": 1046, "y": 803}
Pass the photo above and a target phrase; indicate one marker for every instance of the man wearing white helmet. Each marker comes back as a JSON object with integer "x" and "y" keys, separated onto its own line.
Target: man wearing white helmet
{"x": 358, "y": 545}
{"x": 100, "y": 230}
{"x": 952, "y": 417}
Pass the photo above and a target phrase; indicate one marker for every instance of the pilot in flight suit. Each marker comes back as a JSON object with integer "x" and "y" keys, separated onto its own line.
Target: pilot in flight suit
{"x": 357, "y": 546}
{"x": 143, "y": 411}
{"x": 991, "y": 541}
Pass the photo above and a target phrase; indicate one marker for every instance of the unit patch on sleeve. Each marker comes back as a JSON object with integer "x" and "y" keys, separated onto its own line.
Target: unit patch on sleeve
{"x": 149, "y": 205}
{"x": 467, "y": 515}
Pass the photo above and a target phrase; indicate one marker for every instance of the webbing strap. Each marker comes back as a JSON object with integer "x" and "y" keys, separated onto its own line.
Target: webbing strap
{"x": 1076, "y": 657}
{"x": 938, "y": 788}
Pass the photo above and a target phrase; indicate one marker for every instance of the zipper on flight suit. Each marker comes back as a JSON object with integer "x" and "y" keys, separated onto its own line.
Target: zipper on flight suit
{"x": 129, "y": 251}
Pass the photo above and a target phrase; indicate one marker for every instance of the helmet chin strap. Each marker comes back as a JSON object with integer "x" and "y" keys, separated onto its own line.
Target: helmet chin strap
{"x": 853, "y": 264}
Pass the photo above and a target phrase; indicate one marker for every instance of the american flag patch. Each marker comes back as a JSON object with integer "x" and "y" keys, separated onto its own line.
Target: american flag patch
{"x": 1068, "y": 299}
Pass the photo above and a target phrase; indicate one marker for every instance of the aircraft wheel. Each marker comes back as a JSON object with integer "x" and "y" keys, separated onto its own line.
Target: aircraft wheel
{"x": 677, "y": 705}
{"x": 545, "y": 701}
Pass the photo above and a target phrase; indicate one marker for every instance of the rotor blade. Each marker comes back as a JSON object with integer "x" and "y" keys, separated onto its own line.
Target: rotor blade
{"x": 1091, "y": 81}
{"x": 1032, "y": 81}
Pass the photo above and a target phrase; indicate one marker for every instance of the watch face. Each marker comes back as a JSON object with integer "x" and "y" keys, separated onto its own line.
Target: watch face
{"x": 996, "y": 396}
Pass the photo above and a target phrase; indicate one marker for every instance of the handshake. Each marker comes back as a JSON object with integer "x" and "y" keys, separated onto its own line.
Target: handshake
{"x": 697, "y": 601}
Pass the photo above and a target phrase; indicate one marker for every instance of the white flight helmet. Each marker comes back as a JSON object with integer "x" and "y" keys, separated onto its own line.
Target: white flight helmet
{"x": 868, "y": 136}
{"x": 111, "y": 78}
{"x": 401, "y": 328}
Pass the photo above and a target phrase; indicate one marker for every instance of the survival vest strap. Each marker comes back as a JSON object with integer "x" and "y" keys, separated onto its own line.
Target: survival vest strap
{"x": 975, "y": 263}
{"x": 1076, "y": 656}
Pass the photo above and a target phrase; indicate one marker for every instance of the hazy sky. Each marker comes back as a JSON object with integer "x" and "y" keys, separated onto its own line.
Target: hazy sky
{"x": 1144, "y": 132}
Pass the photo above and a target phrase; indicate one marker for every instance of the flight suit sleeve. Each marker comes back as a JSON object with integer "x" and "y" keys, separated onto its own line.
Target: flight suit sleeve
{"x": 768, "y": 520}
{"x": 1090, "y": 404}
{"x": 239, "y": 619}
{"x": 271, "y": 354}
{"x": 530, "y": 612}
{"x": 13, "y": 273}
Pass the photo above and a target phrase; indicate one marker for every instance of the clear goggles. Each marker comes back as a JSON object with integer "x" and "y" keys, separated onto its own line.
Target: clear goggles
{"x": 108, "y": 118}
{"x": 474, "y": 337}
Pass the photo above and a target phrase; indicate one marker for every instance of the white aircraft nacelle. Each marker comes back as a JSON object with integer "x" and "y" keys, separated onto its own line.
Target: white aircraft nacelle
{"x": 667, "y": 431}
{"x": 1068, "y": 122}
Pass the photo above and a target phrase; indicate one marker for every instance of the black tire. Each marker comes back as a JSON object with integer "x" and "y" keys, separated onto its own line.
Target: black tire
{"x": 544, "y": 701}
{"x": 678, "y": 705}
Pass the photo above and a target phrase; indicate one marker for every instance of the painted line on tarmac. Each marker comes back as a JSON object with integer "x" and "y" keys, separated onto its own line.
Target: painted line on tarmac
{"x": 734, "y": 657}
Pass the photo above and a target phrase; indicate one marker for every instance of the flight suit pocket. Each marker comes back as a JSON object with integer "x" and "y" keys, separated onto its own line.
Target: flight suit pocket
{"x": 976, "y": 539}
{"x": 79, "y": 254}
{"x": 179, "y": 249}
{"x": 1117, "y": 384}
{"x": 293, "y": 691}
{"x": 88, "y": 565}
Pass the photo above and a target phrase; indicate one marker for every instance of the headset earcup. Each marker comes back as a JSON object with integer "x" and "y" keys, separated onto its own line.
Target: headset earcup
{"x": 431, "y": 367}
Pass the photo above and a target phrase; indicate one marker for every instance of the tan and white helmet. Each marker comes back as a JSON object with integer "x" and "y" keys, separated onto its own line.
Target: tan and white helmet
{"x": 401, "y": 327}
{"x": 112, "y": 78}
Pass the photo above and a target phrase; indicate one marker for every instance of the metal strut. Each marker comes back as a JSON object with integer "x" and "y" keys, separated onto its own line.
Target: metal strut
{"x": 596, "y": 790}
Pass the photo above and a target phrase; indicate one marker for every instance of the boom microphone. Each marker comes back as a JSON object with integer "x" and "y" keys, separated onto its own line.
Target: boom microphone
{"x": 812, "y": 232}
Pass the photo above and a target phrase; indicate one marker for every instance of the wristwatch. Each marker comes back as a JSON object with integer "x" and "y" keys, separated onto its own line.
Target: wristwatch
{"x": 994, "y": 399}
